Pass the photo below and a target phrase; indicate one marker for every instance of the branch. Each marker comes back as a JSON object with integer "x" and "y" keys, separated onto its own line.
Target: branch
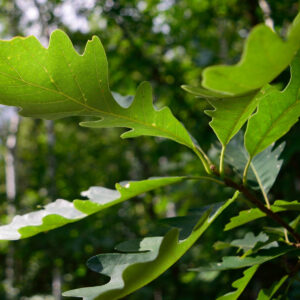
{"x": 252, "y": 198}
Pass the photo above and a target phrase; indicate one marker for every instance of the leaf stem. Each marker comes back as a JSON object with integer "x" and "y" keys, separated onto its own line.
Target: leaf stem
{"x": 246, "y": 171}
{"x": 221, "y": 167}
{"x": 252, "y": 198}
{"x": 262, "y": 189}
{"x": 206, "y": 178}
{"x": 204, "y": 159}
{"x": 286, "y": 237}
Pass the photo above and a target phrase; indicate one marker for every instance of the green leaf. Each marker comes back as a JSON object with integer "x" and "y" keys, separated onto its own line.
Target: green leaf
{"x": 295, "y": 205}
{"x": 57, "y": 82}
{"x": 249, "y": 241}
{"x": 237, "y": 262}
{"x": 277, "y": 112}
{"x": 264, "y": 57}
{"x": 240, "y": 284}
{"x": 62, "y": 212}
{"x": 150, "y": 257}
{"x": 246, "y": 216}
{"x": 281, "y": 231}
{"x": 268, "y": 294}
{"x": 249, "y": 244}
{"x": 230, "y": 115}
{"x": 204, "y": 93}
{"x": 220, "y": 245}
{"x": 264, "y": 167}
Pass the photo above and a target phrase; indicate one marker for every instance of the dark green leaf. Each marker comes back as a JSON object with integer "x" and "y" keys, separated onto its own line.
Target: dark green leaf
{"x": 268, "y": 294}
{"x": 249, "y": 241}
{"x": 252, "y": 214}
{"x": 240, "y": 284}
{"x": 237, "y": 262}
{"x": 264, "y": 168}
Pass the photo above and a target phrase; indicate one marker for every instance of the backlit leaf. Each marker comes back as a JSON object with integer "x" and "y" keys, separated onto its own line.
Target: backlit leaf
{"x": 230, "y": 115}
{"x": 57, "y": 82}
{"x": 264, "y": 57}
{"x": 277, "y": 112}
{"x": 62, "y": 212}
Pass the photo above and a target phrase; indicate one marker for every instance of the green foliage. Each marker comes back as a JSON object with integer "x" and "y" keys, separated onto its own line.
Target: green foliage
{"x": 57, "y": 82}
{"x": 238, "y": 262}
{"x": 268, "y": 294}
{"x": 62, "y": 212}
{"x": 265, "y": 56}
{"x": 264, "y": 167}
{"x": 240, "y": 284}
{"x": 246, "y": 216}
{"x": 277, "y": 112}
{"x": 150, "y": 257}
{"x": 70, "y": 84}
{"x": 230, "y": 115}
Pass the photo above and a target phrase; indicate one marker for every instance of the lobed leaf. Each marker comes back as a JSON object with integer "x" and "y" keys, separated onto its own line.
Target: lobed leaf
{"x": 249, "y": 241}
{"x": 204, "y": 93}
{"x": 277, "y": 112}
{"x": 246, "y": 216}
{"x": 145, "y": 259}
{"x": 62, "y": 212}
{"x": 264, "y": 167}
{"x": 268, "y": 294}
{"x": 237, "y": 262}
{"x": 58, "y": 82}
{"x": 230, "y": 115}
{"x": 240, "y": 284}
{"x": 264, "y": 57}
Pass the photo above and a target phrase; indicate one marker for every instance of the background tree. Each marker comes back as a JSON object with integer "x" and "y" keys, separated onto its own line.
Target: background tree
{"x": 168, "y": 43}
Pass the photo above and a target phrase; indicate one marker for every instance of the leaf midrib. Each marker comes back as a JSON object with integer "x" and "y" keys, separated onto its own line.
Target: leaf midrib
{"x": 88, "y": 107}
{"x": 238, "y": 120}
{"x": 272, "y": 126}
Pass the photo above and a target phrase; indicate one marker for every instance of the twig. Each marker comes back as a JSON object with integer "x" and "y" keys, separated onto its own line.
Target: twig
{"x": 252, "y": 198}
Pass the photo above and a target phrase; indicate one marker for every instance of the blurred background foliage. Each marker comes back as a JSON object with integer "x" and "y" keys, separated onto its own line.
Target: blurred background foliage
{"x": 167, "y": 42}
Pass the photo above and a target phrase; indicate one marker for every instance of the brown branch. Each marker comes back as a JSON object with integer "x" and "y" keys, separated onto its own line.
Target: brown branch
{"x": 254, "y": 200}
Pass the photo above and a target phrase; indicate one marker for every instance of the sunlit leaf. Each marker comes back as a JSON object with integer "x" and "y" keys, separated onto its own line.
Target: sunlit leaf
{"x": 277, "y": 112}
{"x": 204, "y": 93}
{"x": 264, "y": 57}
{"x": 57, "y": 82}
{"x": 62, "y": 212}
{"x": 230, "y": 115}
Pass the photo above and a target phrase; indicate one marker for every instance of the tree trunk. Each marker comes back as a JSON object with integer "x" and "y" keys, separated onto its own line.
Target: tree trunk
{"x": 11, "y": 191}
